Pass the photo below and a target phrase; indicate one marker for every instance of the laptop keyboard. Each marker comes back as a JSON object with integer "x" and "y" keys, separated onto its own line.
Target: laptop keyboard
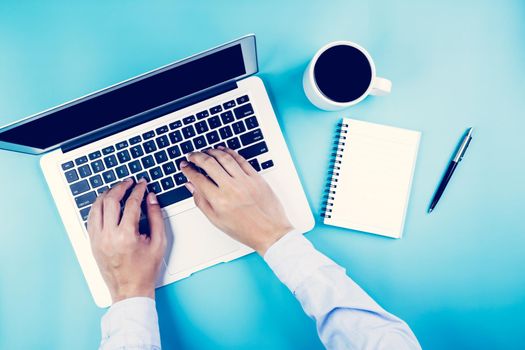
{"x": 156, "y": 154}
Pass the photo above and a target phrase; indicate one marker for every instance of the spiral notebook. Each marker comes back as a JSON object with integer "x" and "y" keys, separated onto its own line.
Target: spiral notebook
{"x": 370, "y": 177}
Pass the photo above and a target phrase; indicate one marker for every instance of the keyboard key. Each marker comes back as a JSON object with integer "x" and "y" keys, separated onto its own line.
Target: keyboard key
{"x": 108, "y": 150}
{"x": 110, "y": 161}
{"x": 238, "y": 127}
{"x": 122, "y": 144}
{"x": 202, "y": 115}
{"x": 148, "y": 135}
{"x": 161, "y": 130}
{"x": 167, "y": 183}
{"x": 81, "y": 160}
{"x": 188, "y": 120}
{"x": 199, "y": 142}
{"x": 229, "y": 104}
{"x": 122, "y": 171}
{"x": 267, "y": 164}
{"x": 135, "y": 140}
{"x": 123, "y": 156}
{"x": 220, "y": 144}
{"x": 201, "y": 126}
{"x": 212, "y": 137}
{"x": 102, "y": 189}
{"x": 174, "y": 152}
{"x": 254, "y": 150}
{"x": 251, "y": 137}
{"x": 227, "y": 117}
{"x": 97, "y": 166}
{"x": 161, "y": 156}
{"x": 188, "y": 131}
{"x": 173, "y": 196}
{"x": 155, "y": 173}
{"x": 96, "y": 181}
{"x": 178, "y": 160}
{"x": 251, "y": 122}
{"x": 226, "y": 132}
{"x": 169, "y": 168}
{"x": 79, "y": 187}
{"x": 150, "y": 146}
{"x": 216, "y": 109}
{"x": 147, "y": 162}
{"x": 214, "y": 122}
{"x": 255, "y": 164}
{"x": 243, "y": 111}
{"x": 180, "y": 178}
{"x": 243, "y": 99}
{"x": 67, "y": 165}
{"x": 234, "y": 143}
{"x": 84, "y": 213}
{"x": 71, "y": 175}
{"x": 109, "y": 176}
{"x": 85, "y": 199}
{"x": 162, "y": 141}
{"x": 186, "y": 147}
{"x": 154, "y": 187}
{"x": 144, "y": 175}
{"x": 175, "y": 125}
{"x": 135, "y": 166}
{"x": 175, "y": 136}
{"x": 94, "y": 155}
{"x": 84, "y": 170}
{"x": 136, "y": 151}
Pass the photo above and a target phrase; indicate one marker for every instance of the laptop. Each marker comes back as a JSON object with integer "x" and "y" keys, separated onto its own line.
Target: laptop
{"x": 144, "y": 127}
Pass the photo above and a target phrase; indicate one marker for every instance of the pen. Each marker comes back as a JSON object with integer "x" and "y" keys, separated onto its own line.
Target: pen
{"x": 460, "y": 152}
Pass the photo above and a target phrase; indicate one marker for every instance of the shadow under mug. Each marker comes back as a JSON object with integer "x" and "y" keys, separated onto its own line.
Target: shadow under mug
{"x": 377, "y": 86}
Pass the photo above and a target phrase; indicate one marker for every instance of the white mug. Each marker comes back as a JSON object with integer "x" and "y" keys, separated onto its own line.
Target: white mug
{"x": 377, "y": 86}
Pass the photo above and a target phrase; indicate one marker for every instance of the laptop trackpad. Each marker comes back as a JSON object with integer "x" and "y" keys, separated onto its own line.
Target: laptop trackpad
{"x": 194, "y": 241}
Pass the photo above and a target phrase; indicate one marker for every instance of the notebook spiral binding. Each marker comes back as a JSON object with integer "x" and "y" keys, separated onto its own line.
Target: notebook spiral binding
{"x": 333, "y": 170}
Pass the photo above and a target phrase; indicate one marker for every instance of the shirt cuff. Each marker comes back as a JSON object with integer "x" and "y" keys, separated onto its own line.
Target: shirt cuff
{"x": 131, "y": 323}
{"x": 294, "y": 259}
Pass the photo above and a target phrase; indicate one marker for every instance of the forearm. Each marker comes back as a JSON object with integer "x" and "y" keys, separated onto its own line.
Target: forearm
{"x": 345, "y": 315}
{"x": 131, "y": 324}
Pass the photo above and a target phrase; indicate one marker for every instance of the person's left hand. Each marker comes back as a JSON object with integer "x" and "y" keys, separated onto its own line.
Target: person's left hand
{"x": 129, "y": 261}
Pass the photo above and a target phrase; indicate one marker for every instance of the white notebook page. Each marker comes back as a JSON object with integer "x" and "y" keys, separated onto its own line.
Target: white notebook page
{"x": 375, "y": 178}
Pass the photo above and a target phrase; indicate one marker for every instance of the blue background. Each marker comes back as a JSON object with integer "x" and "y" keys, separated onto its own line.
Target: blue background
{"x": 457, "y": 275}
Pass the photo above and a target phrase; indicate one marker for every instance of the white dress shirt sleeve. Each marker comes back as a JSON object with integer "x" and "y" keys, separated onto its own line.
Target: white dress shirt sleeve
{"x": 131, "y": 324}
{"x": 346, "y": 317}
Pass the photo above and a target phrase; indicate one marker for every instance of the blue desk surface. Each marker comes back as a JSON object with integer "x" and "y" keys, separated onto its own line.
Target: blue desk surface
{"x": 457, "y": 275}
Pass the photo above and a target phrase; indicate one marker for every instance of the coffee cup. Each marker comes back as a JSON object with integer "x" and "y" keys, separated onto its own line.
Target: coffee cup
{"x": 340, "y": 75}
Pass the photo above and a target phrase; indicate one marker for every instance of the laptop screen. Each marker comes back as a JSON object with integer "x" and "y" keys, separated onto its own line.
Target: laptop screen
{"x": 138, "y": 95}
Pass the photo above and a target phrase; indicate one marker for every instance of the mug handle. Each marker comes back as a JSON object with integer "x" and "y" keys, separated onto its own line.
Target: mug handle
{"x": 381, "y": 87}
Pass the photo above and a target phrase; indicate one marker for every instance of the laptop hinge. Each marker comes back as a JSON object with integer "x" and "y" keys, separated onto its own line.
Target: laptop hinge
{"x": 147, "y": 116}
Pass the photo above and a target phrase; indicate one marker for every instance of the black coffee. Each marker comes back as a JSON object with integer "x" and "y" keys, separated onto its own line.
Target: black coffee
{"x": 342, "y": 73}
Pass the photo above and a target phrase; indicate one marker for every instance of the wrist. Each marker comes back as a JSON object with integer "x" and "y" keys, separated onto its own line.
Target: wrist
{"x": 271, "y": 237}
{"x": 126, "y": 293}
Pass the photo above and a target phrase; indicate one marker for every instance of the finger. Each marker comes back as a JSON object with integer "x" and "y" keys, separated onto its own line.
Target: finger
{"x": 211, "y": 166}
{"x": 243, "y": 163}
{"x": 156, "y": 222}
{"x": 95, "y": 217}
{"x": 111, "y": 204}
{"x": 131, "y": 214}
{"x": 200, "y": 200}
{"x": 204, "y": 184}
{"x": 227, "y": 162}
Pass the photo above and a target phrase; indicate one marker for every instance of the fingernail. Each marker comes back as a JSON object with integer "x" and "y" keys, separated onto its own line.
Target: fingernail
{"x": 129, "y": 179}
{"x": 190, "y": 187}
{"x": 222, "y": 148}
{"x": 152, "y": 198}
{"x": 184, "y": 164}
{"x": 142, "y": 179}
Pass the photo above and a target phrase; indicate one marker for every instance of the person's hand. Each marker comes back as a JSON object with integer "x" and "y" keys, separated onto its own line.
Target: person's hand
{"x": 236, "y": 198}
{"x": 129, "y": 261}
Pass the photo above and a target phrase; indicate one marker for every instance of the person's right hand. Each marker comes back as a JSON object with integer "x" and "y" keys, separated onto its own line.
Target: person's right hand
{"x": 238, "y": 200}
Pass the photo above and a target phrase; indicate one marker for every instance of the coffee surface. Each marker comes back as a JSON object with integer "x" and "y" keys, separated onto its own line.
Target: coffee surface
{"x": 342, "y": 73}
